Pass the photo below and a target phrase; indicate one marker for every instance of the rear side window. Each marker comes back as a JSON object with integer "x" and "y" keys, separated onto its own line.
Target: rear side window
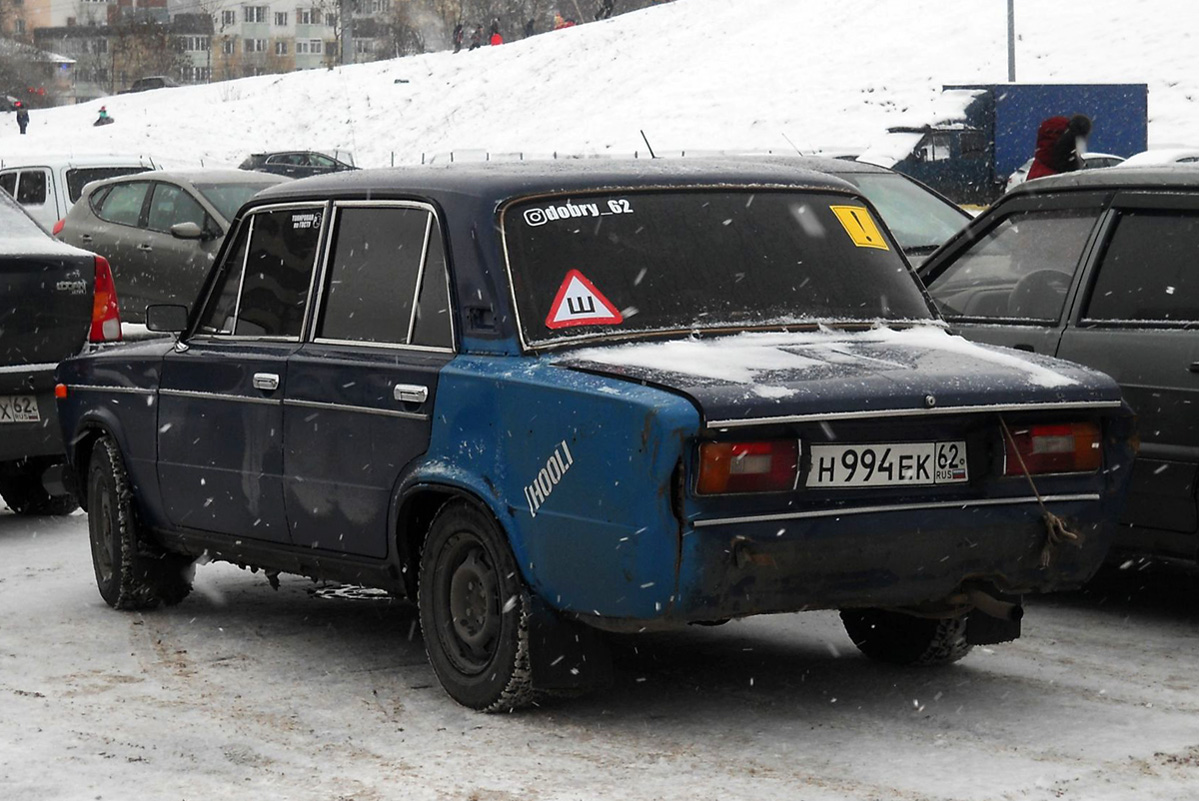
{"x": 31, "y": 189}
{"x": 1148, "y": 272}
{"x": 123, "y": 203}
{"x": 373, "y": 271}
{"x": 80, "y": 177}
{"x": 8, "y": 182}
{"x": 433, "y": 327}
{"x": 1021, "y": 269}
{"x": 278, "y": 272}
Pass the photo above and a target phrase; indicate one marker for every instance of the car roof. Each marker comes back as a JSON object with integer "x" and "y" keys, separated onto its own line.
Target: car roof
{"x": 499, "y": 181}
{"x": 202, "y": 175}
{"x": 77, "y": 160}
{"x": 1123, "y": 177}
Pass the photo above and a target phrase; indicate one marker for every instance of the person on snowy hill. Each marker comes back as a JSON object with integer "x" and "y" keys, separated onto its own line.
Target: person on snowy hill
{"x": 458, "y": 34}
{"x": 496, "y": 37}
{"x": 22, "y": 116}
{"x": 605, "y": 9}
{"x": 476, "y": 38}
{"x": 1061, "y": 141}
{"x": 103, "y": 119}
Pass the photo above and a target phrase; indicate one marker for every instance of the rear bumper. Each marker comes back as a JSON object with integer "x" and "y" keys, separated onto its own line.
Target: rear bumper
{"x": 901, "y": 556}
{"x": 36, "y": 439}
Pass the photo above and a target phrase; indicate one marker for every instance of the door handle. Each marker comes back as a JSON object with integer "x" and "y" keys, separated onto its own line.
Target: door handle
{"x": 411, "y": 393}
{"x": 86, "y": 237}
{"x": 268, "y": 382}
{"x": 145, "y": 247}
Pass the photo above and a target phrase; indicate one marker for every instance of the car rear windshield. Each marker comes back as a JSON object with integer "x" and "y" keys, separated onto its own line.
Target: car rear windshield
{"x": 228, "y": 198}
{"x": 919, "y": 219}
{"x": 629, "y": 263}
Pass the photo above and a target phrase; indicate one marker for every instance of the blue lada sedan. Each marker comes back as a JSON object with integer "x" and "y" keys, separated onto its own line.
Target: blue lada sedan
{"x": 546, "y": 401}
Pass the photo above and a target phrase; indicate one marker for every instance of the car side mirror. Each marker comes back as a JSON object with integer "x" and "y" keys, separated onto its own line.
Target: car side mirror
{"x": 187, "y": 230}
{"x": 167, "y": 317}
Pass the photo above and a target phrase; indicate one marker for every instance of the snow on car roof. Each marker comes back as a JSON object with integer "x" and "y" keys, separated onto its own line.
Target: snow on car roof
{"x": 1165, "y": 155}
{"x": 1120, "y": 177}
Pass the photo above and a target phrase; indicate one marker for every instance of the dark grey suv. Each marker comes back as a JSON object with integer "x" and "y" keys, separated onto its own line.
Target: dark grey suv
{"x": 1100, "y": 267}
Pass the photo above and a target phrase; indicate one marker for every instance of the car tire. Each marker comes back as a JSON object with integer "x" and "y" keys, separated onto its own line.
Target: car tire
{"x": 131, "y": 571}
{"x": 900, "y": 639}
{"x": 26, "y": 496}
{"x": 474, "y": 611}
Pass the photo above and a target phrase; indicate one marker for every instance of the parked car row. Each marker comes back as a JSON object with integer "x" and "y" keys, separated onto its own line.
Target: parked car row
{"x": 717, "y": 384}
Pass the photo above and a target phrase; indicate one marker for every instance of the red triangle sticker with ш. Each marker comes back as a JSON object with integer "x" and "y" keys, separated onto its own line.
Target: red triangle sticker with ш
{"x": 578, "y": 302}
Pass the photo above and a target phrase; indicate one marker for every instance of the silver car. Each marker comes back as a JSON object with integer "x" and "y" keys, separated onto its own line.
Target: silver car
{"x": 160, "y": 231}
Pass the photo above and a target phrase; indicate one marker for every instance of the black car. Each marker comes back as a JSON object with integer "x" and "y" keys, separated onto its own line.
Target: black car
{"x": 53, "y": 299}
{"x": 548, "y": 400}
{"x": 151, "y": 82}
{"x": 296, "y": 163}
{"x": 1099, "y": 267}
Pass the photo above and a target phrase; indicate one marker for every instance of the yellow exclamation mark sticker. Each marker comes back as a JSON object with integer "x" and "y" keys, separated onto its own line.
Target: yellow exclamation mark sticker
{"x": 858, "y": 223}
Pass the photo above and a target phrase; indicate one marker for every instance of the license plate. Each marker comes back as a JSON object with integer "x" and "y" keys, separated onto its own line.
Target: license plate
{"x": 887, "y": 464}
{"x": 18, "y": 409}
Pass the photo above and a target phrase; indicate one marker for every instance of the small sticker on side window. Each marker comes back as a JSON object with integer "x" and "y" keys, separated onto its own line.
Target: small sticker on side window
{"x": 858, "y": 223}
{"x": 305, "y": 219}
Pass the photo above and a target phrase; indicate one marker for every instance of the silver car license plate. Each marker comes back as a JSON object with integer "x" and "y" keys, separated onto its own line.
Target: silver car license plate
{"x": 18, "y": 409}
{"x": 887, "y": 464}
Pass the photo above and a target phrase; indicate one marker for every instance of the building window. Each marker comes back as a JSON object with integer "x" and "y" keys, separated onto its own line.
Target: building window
{"x": 303, "y": 16}
{"x": 100, "y": 46}
{"x": 195, "y": 44}
{"x": 19, "y": 27}
{"x": 380, "y": 6}
{"x": 330, "y": 20}
{"x": 196, "y": 74}
{"x": 281, "y": 48}
{"x": 228, "y": 17}
{"x": 255, "y": 13}
{"x": 309, "y": 46}
{"x": 228, "y": 46}
{"x": 281, "y": 18}
{"x": 362, "y": 46}
{"x": 255, "y": 46}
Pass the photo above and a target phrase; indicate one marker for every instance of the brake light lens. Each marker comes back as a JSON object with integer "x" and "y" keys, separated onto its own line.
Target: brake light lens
{"x": 1067, "y": 448}
{"x": 106, "y": 318}
{"x": 763, "y": 466}
{"x": 58, "y": 226}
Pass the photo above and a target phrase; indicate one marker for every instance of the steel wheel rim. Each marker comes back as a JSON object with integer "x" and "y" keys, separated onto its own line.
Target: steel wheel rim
{"x": 102, "y": 541}
{"x": 469, "y": 599}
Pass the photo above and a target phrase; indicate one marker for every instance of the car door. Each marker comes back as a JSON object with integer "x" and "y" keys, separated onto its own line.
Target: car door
{"x": 220, "y": 435}
{"x": 115, "y": 231}
{"x": 177, "y": 266}
{"x": 1139, "y": 322}
{"x": 360, "y": 394}
{"x": 1011, "y": 282}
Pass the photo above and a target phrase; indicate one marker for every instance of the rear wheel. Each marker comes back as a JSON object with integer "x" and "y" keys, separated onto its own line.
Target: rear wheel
{"x": 131, "y": 571}
{"x": 474, "y": 611}
{"x": 901, "y": 639}
{"x": 25, "y": 495}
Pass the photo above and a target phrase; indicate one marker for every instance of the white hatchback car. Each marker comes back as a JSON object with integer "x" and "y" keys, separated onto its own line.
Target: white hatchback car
{"x": 47, "y": 186}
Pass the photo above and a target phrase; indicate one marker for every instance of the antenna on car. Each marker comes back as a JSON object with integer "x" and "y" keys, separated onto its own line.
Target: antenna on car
{"x": 798, "y": 152}
{"x": 647, "y": 144}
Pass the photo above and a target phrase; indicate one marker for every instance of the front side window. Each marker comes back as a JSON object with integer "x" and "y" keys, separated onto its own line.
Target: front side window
{"x": 1148, "y": 270}
{"x": 373, "y": 271}
{"x": 620, "y": 264}
{"x": 123, "y": 203}
{"x": 170, "y": 205}
{"x": 278, "y": 272}
{"x": 220, "y": 315}
{"x": 1020, "y": 269}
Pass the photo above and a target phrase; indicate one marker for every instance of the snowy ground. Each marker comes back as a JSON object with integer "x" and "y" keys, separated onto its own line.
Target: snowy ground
{"x": 242, "y": 692}
{"x": 694, "y": 74}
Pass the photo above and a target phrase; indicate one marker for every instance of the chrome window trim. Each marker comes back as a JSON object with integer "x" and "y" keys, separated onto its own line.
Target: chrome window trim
{"x": 363, "y": 343}
{"x": 196, "y": 394}
{"x": 897, "y": 507}
{"x": 347, "y": 407}
{"x": 109, "y": 388}
{"x": 936, "y": 410}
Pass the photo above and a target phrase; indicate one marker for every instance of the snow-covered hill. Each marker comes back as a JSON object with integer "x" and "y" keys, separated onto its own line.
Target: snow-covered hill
{"x": 694, "y": 74}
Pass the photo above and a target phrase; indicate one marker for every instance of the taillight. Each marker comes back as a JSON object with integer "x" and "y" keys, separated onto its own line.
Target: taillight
{"x": 57, "y": 229}
{"x": 766, "y": 466}
{"x": 1068, "y": 448}
{"x": 106, "y": 319}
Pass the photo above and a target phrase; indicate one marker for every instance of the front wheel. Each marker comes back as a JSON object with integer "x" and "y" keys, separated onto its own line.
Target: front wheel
{"x": 900, "y": 639}
{"x": 131, "y": 571}
{"x": 474, "y": 611}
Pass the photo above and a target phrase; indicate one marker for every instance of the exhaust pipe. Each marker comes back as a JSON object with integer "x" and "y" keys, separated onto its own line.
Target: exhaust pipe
{"x": 992, "y": 606}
